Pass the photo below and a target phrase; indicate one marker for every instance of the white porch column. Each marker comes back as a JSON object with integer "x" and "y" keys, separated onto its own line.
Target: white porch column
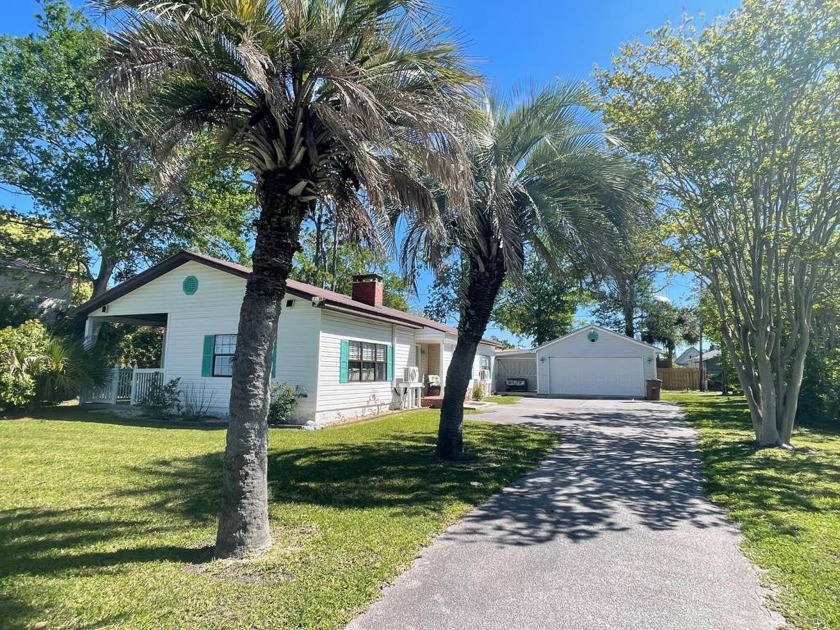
{"x": 92, "y": 326}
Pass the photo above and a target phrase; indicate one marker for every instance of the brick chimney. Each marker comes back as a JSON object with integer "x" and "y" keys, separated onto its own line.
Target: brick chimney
{"x": 367, "y": 288}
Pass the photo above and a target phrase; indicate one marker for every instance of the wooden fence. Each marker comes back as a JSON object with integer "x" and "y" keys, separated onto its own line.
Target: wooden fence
{"x": 679, "y": 378}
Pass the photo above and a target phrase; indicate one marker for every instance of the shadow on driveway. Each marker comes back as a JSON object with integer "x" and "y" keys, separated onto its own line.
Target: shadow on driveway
{"x": 641, "y": 461}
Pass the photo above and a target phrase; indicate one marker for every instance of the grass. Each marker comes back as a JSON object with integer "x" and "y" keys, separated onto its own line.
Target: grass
{"x": 786, "y": 502}
{"x": 502, "y": 400}
{"x": 109, "y": 524}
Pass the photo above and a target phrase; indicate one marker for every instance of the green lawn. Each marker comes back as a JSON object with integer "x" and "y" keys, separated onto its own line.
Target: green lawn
{"x": 108, "y": 524}
{"x": 787, "y": 504}
{"x": 502, "y": 400}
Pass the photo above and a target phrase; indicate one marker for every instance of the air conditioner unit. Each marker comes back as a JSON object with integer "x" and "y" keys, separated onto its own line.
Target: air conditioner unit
{"x": 411, "y": 375}
{"x": 484, "y": 375}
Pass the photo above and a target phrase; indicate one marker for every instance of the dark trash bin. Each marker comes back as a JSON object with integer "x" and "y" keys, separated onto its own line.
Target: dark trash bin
{"x": 653, "y": 389}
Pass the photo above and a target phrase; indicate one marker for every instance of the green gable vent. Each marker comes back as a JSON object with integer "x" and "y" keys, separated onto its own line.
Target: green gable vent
{"x": 592, "y": 336}
{"x": 190, "y": 285}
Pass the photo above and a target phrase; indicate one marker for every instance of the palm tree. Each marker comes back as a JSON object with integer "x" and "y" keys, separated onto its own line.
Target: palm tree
{"x": 355, "y": 102}
{"x": 543, "y": 178}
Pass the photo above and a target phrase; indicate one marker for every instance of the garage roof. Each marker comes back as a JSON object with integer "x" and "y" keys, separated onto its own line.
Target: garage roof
{"x": 600, "y": 330}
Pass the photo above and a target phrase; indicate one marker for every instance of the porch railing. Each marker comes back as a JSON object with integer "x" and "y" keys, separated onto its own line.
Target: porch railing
{"x": 126, "y": 385}
{"x": 143, "y": 381}
{"x": 106, "y": 392}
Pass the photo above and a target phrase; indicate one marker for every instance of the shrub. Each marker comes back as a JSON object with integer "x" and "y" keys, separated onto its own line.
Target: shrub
{"x": 284, "y": 397}
{"x": 478, "y": 391}
{"x": 163, "y": 399}
{"x": 72, "y": 368}
{"x": 37, "y": 368}
{"x": 197, "y": 402}
{"x": 22, "y": 357}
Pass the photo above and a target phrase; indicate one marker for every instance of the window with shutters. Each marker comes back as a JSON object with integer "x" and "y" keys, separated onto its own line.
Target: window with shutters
{"x": 223, "y": 348}
{"x": 367, "y": 361}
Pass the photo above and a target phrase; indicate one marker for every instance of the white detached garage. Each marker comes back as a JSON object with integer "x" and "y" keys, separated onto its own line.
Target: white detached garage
{"x": 594, "y": 361}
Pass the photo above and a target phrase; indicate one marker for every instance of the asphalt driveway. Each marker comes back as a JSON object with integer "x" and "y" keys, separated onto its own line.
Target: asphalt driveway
{"x": 611, "y": 532}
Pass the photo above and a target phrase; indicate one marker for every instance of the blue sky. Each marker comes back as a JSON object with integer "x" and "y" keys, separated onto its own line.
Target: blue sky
{"x": 516, "y": 42}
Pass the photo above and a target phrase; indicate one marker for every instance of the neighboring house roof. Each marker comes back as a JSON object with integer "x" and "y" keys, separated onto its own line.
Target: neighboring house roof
{"x": 20, "y": 264}
{"x": 600, "y": 329}
{"x": 707, "y": 356}
{"x": 330, "y": 300}
{"x": 686, "y": 356}
{"x": 514, "y": 352}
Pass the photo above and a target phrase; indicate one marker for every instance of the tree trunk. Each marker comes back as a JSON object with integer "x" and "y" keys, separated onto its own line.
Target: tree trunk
{"x": 243, "y": 519}
{"x": 103, "y": 277}
{"x": 629, "y": 325}
{"x": 483, "y": 284}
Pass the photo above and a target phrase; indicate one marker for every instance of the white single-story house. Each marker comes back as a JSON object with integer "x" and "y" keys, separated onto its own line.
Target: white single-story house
{"x": 350, "y": 354}
{"x": 589, "y": 362}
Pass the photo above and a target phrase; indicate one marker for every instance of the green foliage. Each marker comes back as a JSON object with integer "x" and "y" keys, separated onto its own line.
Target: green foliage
{"x": 443, "y": 303}
{"x": 669, "y": 325}
{"x": 327, "y": 260}
{"x": 543, "y": 307}
{"x": 36, "y": 368}
{"x": 739, "y": 122}
{"x": 108, "y": 522}
{"x": 126, "y": 345}
{"x": 23, "y": 357}
{"x": 284, "y": 398}
{"x": 477, "y": 391}
{"x": 14, "y": 310}
{"x": 90, "y": 178}
{"x": 624, "y": 288}
{"x": 820, "y": 398}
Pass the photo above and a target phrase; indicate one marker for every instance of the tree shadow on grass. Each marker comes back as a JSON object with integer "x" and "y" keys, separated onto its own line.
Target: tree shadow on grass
{"x": 397, "y": 471}
{"x": 48, "y": 541}
{"x": 771, "y": 481}
{"x": 107, "y": 414}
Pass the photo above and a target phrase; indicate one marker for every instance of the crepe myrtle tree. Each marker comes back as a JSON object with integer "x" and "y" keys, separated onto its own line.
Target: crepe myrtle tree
{"x": 357, "y": 102}
{"x": 741, "y": 123}
{"x": 544, "y": 176}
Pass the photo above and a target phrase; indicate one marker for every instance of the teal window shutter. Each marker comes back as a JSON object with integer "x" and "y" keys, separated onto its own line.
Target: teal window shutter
{"x": 207, "y": 357}
{"x": 274, "y": 361}
{"x": 391, "y": 362}
{"x": 343, "y": 370}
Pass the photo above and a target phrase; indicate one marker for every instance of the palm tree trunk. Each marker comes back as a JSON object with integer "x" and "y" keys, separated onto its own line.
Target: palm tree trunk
{"x": 483, "y": 286}
{"x": 243, "y": 519}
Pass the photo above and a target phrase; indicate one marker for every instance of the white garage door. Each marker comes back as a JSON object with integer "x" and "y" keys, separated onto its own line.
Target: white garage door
{"x": 602, "y": 376}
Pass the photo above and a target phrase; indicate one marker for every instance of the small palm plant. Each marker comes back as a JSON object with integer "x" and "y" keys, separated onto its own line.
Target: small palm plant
{"x": 544, "y": 178}
{"x": 355, "y": 102}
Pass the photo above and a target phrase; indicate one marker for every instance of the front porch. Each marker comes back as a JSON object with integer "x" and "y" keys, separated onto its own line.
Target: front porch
{"x": 127, "y": 385}
{"x": 430, "y": 365}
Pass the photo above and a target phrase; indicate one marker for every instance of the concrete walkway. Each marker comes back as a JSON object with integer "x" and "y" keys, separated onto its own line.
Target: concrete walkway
{"x": 611, "y": 532}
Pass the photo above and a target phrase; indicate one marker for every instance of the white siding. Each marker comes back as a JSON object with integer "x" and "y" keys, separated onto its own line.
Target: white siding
{"x": 297, "y": 354}
{"x": 577, "y": 345}
{"x": 344, "y": 401}
{"x": 446, "y": 359}
{"x": 214, "y": 310}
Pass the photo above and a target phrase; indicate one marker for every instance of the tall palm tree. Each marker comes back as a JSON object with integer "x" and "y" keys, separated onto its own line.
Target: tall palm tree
{"x": 543, "y": 177}
{"x": 352, "y": 101}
